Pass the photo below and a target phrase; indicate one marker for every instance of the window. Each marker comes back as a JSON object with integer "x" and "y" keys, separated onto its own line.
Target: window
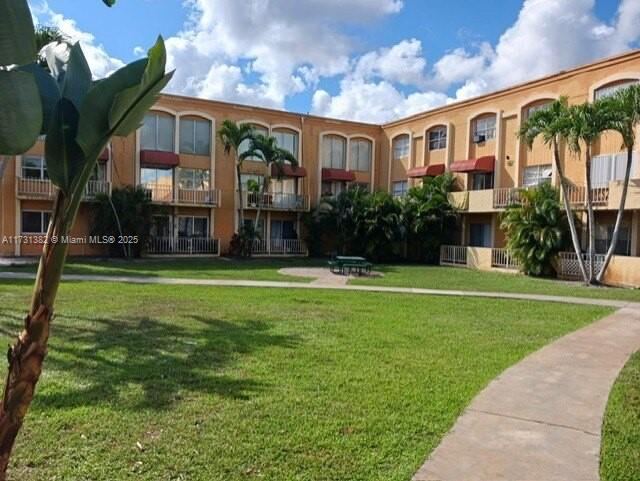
{"x": 161, "y": 226}
{"x": 612, "y": 89}
{"x": 244, "y": 146}
{"x": 604, "y": 234}
{"x": 333, "y": 189}
{"x": 283, "y": 229}
{"x": 480, "y": 235}
{"x": 195, "y": 136}
{"x": 400, "y": 188}
{"x": 260, "y": 230}
{"x": 361, "y": 185}
{"x": 401, "y": 147}
{"x": 605, "y": 168}
{"x": 99, "y": 172}
{"x": 438, "y": 138}
{"x": 334, "y": 152}
{"x": 193, "y": 179}
{"x": 536, "y": 175}
{"x": 35, "y": 222}
{"x": 287, "y": 140}
{"x": 251, "y": 181}
{"x": 157, "y": 132}
{"x": 34, "y": 168}
{"x": 156, "y": 177}
{"x": 193, "y": 226}
{"x": 484, "y": 128}
{"x": 361, "y": 155}
{"x": 536, "y": 108}
{"x": 482, "y": 181}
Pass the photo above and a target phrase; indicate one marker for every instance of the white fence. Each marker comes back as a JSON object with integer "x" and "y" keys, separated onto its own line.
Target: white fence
{"x": 502, "y": 259}
{"x": 275, "y": 201}
{"x": 280, "y": 247}
{"x": 44, "y": 189}
{"x": 184, "y": 245}
{"x": 569, "y": 268}
{"x": 453, "y": 255}
{"x": 578, "y": 195}
{"x": 199, "y": 197}
{"x": 506, "y": 196}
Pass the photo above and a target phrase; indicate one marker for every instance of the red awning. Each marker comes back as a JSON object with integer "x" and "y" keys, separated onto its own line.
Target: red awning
{"x": 104, "y": 155}
{"x": 288, "y": 171}
{"x": 429, "y": 171}
{"x": 482, "y": 164}
{"x": 338, "y": 174}
{"x": 157, "y": 158}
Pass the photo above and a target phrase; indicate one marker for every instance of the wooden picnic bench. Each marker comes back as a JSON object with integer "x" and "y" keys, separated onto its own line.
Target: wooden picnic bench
{"x": 345, "y": 265}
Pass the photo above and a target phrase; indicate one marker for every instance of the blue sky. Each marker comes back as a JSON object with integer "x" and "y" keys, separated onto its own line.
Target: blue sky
{"x": 372, "y": 60}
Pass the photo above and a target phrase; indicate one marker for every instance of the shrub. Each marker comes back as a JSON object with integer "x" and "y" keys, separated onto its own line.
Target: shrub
{"x": 241, "y": 244}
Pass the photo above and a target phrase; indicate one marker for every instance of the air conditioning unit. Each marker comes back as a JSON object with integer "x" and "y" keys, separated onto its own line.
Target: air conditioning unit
{"x": 477, "y": 138}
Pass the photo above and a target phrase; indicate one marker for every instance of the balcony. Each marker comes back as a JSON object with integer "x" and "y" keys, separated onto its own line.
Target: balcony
{"x": 506, "y": 196}
{"x": 275, "y": 201}
{"x": 481, "y": 200}
{"x": 460, "y": 200}
{"x": 45, "y": 190}
{"x": 578, "y": 196}
{"x": 184, "y": 246}
{"x": 483, "y": 258}
{"x": 166, "y": 194}
{"x": 280, "y": 247}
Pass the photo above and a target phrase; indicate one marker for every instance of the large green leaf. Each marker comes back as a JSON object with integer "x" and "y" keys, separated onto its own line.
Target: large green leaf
{"x": 49, "y": 92}
{"x": 17, "y": 38}
{"x": 20, "y": 112}
{"x": 65, "y": 158}
{"x": 77, "y": 79}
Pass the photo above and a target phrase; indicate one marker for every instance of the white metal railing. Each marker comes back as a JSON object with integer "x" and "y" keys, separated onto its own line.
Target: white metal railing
{"x": 199, "y": 196}
{"x": 569, "y": 268}
{"x": 505, "y": 196}
{"x": 95, "y": 187}
{"x": 453, "y": 255}
{"x": 503, "y": 259}
{"x": 292, "y": 247}
{"x": 184, "y": 245}
{"x": 578, "y": 195}
{"x": 44, "y": 189}
{"x": 276, "y": 201}
{"x": 159, "y": 192}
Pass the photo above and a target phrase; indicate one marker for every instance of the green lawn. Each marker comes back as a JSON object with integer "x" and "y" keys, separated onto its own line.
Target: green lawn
{"x": 179, "y": 382}
{"x": 620, "y": 457}
{"x": 194, "y": 267}
{"x": 437, "y": 277}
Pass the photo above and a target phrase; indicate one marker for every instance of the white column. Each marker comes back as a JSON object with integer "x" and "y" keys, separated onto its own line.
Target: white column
{"x": 268, "y": 232}
{"x": 634, "y": 232}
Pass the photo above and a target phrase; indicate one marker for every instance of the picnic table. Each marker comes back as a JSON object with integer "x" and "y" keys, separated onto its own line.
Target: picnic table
{"x": 348, "y": 264}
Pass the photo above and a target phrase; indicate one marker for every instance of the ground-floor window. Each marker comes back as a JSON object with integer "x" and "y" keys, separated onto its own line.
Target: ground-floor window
{"x": 604, "y": 234}
{"x": 162, "y": 226}
{"x": 400, "y": 188}
{"x": 283, "y": 229}
{"x": 35, "y": 222}
{"x": 260, "y": 229}
{"x": 192, "y": 226}
{"x": 482, "y": 181}
{"x": 480, "y": 235}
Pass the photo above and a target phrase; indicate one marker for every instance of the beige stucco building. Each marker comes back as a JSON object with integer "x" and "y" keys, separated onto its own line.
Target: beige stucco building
{"x": 176, "y": 156}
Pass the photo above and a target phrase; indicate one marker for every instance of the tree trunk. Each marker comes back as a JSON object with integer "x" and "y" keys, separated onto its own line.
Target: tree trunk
{"x": 569, "y": 212}
{"x": 618, "y": 224}
{"x": 241, "y": 204}
{"x": 590, "y": 214}
{"x": 27, "y": 355}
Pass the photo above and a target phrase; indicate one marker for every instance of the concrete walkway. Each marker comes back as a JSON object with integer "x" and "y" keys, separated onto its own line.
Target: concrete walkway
{"x": 540, "y": 420}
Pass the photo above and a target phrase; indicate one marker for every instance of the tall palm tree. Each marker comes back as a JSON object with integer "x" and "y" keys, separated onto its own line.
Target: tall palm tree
{"x": 267, "y": 150}
{"x": 625, "y": 108}
{"x": 552, "y": 125}
{"x": 232, "y": 135}
{"x": 586, "y": 124}
{"x": 45, "y": 36}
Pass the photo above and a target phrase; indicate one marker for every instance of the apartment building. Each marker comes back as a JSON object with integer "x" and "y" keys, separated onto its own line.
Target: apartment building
{"x": 175, "y": 156}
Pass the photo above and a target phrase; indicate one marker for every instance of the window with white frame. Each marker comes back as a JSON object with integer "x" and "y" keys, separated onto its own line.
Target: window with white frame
{"x": 361, "y": 155}
{"x": 158, "y": 132}
{"x": 246, "y": 144}
{"x": 34, "y": 167}
{"x": 283, "y": 229}
{"x": 192, "y": 226}
{"x": 401, "y": 147}
{"x": 608, "y": 167}
{"x": 34, "y": 221}
{"x": 334, "y": 152}
{"x": 536, "y": 175}
{"x": 333, "y": 188}
{"x": 287, "y": 140}
{"x": 612, "y": 89}
{"x": 399, "y": 188}
{"x": 156, "y": 177}
{"x": 193, "y": 179}
{"x": 484, "y": 128}
{"x": 604, "y": 235}
{"x": 251, "y": 182}
{"x": 195, "y": 136}
{"x": 438, "y": 138}
{"x": 536, "y": 108}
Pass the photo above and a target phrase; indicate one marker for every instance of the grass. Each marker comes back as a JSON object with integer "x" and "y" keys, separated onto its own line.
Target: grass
{"x": 192, "y": 267}
{"x": 152, "y": 382}
{"x": 620, "y": 456}
{"x": 437, "y": 277}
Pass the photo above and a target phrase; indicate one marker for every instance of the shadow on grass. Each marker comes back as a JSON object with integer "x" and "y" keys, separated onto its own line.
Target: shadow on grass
{"x": 144, "y": 363}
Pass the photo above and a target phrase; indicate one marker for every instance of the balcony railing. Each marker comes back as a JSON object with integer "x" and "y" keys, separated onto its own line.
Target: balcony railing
{"x": 453, "y": 255}
{"x": 184, "y": 245}
{"x": 568, "y": 267}
{"x": 276, "y": 201}
{"x": 506, "y": 196}
{"x": 166, "y": 194}
{"x": 502, "y": 259}
{"x": 44, "y": 189}
{"x": 578, "y": 195}
{"x": 280, "y": 247}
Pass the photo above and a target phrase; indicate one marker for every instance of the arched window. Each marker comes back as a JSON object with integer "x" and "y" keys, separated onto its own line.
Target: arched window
{"x": 401, "y": 147}
{"x": 537, "y": 106}
{"x": 334, "y": 150}
{"x": 611, "y": 88}
{"x": 158, "y": 129}
{"x": 195, "y": 136}
{"x": 361, "y": 153}
{"x": 437, "y": 138}
{"x": 287, "y": 140}
{"x": 244, "y": 146}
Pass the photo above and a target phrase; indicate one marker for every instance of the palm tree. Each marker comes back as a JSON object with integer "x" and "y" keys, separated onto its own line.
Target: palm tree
{"x": 46, "y": 36}
{"x": 267, "y": 150}
{"x": 552, "y": 125}
{"x": 382, "y": 225}
{"x": 625, "y": 108}
{"x": 586, "y": 122}
{"x": 232, "y": 136}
